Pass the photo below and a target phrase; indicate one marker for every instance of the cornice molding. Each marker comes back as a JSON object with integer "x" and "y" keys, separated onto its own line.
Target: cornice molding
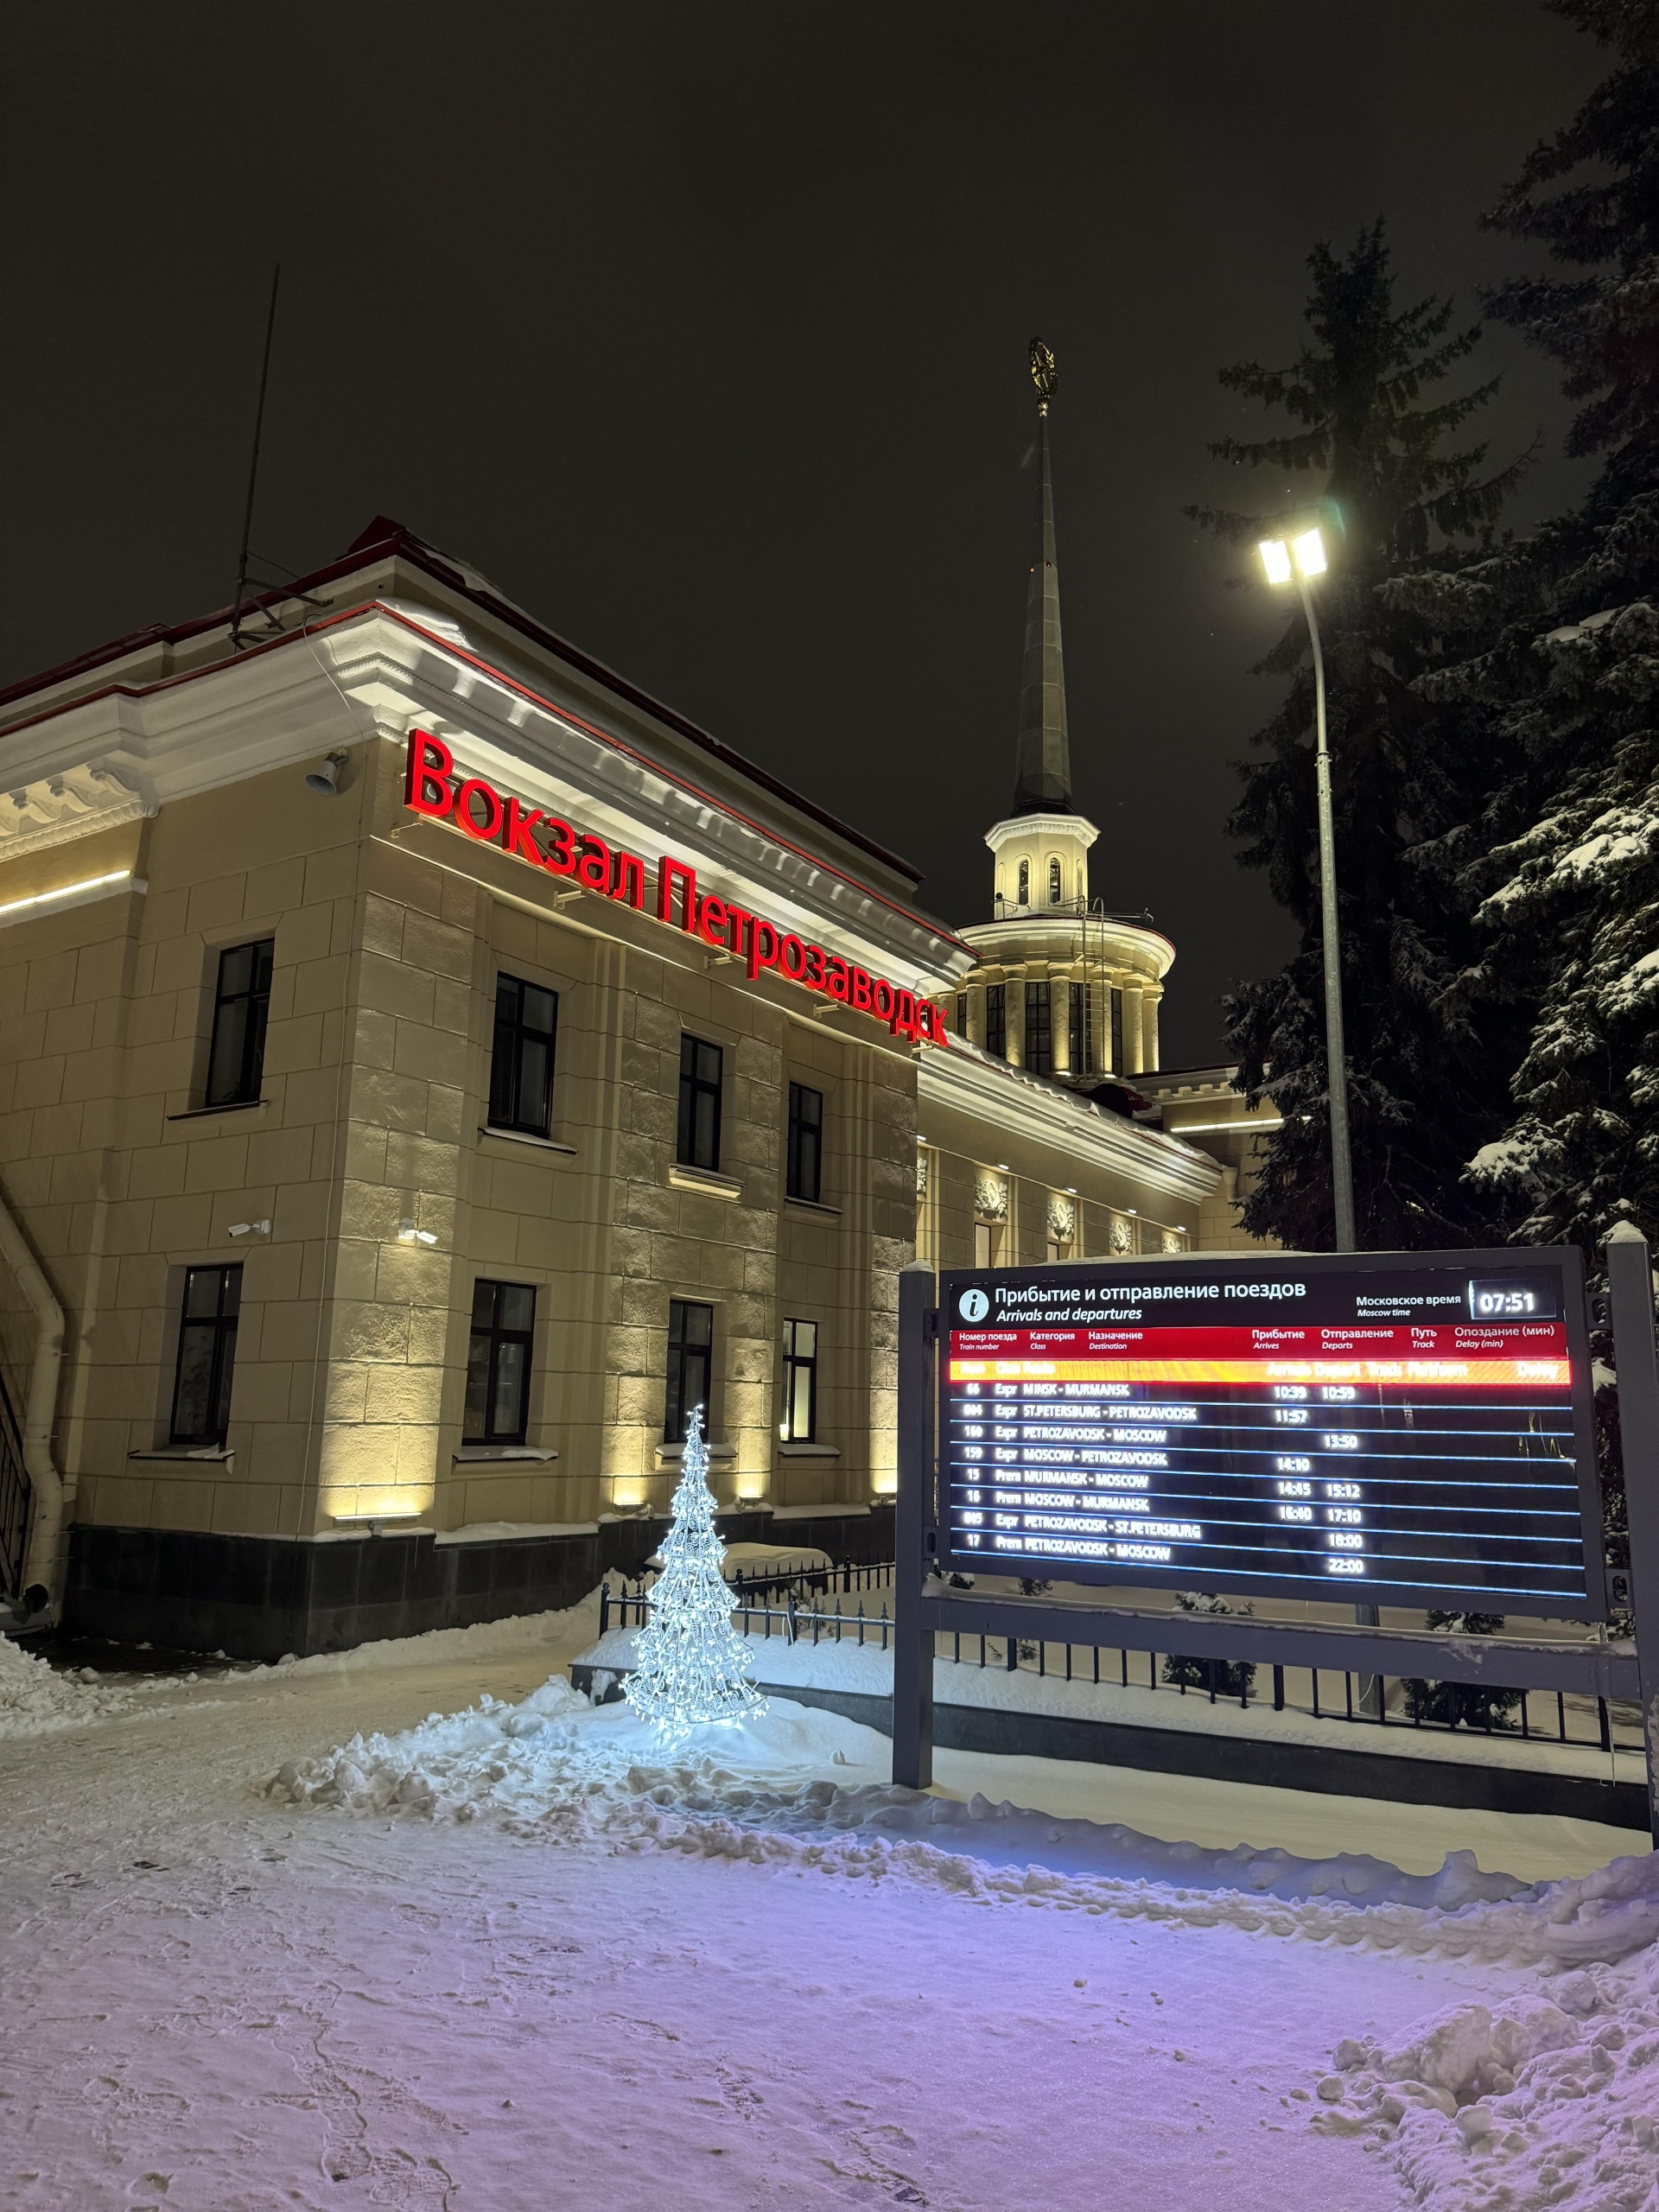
{"x": 55, "y": 808}
{"x": 968, "y": 1081}
{"x": 1075, "y": 828}
{"x": 371, "y": 674}
{"x": 997, "y": 945}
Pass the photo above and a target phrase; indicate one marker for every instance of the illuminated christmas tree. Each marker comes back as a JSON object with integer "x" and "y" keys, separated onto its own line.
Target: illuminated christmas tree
{"x": 691, "y": 1666}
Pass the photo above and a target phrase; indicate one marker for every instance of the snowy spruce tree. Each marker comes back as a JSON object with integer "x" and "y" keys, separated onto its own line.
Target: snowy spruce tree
{"x": 690, "y": 1665}
{"x": 1559, "y": 663}
{"x": 1413, "y": 499}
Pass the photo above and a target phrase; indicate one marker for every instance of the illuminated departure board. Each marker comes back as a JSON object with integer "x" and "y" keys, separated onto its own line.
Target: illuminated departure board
{"x": 1388, "y": 1428}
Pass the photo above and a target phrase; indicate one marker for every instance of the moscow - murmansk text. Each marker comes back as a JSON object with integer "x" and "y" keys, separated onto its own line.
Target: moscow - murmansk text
{"x": 431, "y": 788}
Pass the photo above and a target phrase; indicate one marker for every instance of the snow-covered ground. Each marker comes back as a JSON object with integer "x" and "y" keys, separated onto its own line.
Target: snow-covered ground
{"x": 302, "y": 1936}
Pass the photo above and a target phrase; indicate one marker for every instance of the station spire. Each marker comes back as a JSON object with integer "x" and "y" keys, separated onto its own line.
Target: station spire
{"x": 1042, "y": 782}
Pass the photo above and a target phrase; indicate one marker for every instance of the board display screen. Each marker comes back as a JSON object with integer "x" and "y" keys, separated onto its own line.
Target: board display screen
{"x": 1378, "y": 1428}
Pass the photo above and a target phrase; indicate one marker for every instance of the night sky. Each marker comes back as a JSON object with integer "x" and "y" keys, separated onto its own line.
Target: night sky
{"x": 702, "y": 330}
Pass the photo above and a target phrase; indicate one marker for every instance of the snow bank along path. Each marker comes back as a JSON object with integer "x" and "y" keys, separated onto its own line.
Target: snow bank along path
{"x": 506, "y": 1955}
{"x": 36, "y": 1698}
{"x": 1500, "y": 2109}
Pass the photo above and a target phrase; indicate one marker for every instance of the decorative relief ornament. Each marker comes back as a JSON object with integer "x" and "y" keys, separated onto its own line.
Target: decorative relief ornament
{"x": 1123, "y": 1234}
{"x": 921, "y": 1175}
{"x": 1172, "y": 1241}
{"x": 990, "y": 1198}
{"x": 1062, "y": 1220}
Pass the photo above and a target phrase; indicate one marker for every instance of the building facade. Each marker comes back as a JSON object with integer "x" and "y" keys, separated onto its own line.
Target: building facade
{"x": 429, "y": 1067}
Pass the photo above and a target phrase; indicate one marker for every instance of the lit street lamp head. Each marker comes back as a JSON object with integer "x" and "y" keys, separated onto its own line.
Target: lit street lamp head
{"x": 1303, "y": 556}
{"x": 1276, "y": 559}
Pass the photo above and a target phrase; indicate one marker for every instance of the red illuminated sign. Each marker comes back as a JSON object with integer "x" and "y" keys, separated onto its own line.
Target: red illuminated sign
{"x": 432, "y": 787}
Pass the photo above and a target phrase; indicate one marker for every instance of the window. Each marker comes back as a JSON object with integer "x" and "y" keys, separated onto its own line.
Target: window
{"x": 997, "y": 1020}
{"x": 1117, "y": 1032}
{"x": 1054, "y": 882}
{"x": 691, "y": 1355}
{"x": 201, "y": 1387}
{"x": 1081, "y": 1028}
{"x": 805, "y": 1173}
{"x": 1024, "y": 898}
{"x": 497, "y": 1362}
{"x": 800, "y": 1422}
{"x": 1039, "y": 1040}
{"x": 521, "y": 1062}
{"x": 699, "y": 1134}
{"x": 962, "y": 1013}
{"x": 236, "y": 1057}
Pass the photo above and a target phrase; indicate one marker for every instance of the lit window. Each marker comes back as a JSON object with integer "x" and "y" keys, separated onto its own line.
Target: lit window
{"x": 1054, "y": 883}
{"x": 521, "y": 1062}
{"x": 202, "y": 1386}
{"x": 1040, "y": 1040}
{"x": 997, "y": 1020}
{"x": 236, "y": 1057}
{"x": 800, "y": 1422}
{"x": 497, "y": 1362}
{"x": 699, "y": 1129}
{"x": 805, "y": 1164}
{"x": 1025, "y": 884}
{"x": 1081, "y": 1028}
{"x": 690, "y": 1358}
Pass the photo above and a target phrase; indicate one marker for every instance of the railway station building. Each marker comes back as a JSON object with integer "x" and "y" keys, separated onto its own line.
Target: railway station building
{"x": 429, "y": 1067}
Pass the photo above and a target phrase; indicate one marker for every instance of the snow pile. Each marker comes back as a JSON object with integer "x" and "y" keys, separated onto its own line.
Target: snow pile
{"x": 1549, "y": 2099}
{"x": 487, "y": 1640}
{"x": 35, "y": 1699}
{"x": 556, "y": 1767}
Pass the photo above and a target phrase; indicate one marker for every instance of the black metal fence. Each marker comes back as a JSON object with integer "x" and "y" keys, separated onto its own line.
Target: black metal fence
{"x": 786, "y": 1607}
{"x": 15, "y": 1495}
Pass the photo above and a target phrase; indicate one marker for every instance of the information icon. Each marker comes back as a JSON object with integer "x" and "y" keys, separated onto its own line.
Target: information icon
{"x": 973, "y": 1305}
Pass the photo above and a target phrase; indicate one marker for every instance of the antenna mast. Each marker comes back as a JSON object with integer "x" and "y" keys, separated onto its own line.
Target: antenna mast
{"x": 253, "y": 468}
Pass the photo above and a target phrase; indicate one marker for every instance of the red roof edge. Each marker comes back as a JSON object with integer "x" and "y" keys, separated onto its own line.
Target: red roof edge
{"x": 385, "y": 536}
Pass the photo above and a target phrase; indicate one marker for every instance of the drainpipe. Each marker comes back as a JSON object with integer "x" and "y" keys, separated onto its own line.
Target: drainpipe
{"x": 40, "y": 1565}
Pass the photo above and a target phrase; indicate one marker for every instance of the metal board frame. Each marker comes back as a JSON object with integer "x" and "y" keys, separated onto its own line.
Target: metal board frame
{"x": 924, "y": 1607}
{"x": 1271, "y": 1266}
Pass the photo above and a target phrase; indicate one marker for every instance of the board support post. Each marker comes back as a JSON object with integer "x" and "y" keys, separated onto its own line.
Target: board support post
{"x": 1629, "y": 1281}
{"x": 914, "y": 1523}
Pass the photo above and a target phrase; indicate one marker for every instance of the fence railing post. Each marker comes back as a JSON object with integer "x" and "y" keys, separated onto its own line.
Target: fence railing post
{"x": 1630, "y": 1279}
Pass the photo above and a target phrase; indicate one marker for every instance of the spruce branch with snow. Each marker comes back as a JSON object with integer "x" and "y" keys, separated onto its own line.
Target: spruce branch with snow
{"x": 1418, "y": 500}
{"x": 1556, "y": 663}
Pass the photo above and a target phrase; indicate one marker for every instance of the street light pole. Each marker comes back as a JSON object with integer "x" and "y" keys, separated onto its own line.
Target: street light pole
{"x": 1336, "y": 1057}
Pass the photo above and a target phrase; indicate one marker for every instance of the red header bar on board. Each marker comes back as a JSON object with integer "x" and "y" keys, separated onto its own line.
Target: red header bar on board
{"x": 433, "y": 787}
{"x": 1364, "y": 1340}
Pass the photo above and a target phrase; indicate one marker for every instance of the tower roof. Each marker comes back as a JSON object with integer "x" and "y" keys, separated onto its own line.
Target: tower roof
{"x": 1042, "y": 782}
